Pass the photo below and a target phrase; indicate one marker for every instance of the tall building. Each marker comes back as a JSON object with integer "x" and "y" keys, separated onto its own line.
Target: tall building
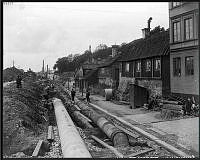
{"x": 184, "y": 48}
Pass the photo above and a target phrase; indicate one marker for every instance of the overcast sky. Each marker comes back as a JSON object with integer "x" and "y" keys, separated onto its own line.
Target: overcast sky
{"x": 48, "y": 30}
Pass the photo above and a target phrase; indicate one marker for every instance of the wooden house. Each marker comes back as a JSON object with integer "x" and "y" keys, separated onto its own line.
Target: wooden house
{"x": 146, "y": 62}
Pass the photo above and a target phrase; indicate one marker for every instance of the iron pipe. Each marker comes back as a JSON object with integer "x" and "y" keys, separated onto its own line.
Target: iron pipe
{"x": 71, "y": 143}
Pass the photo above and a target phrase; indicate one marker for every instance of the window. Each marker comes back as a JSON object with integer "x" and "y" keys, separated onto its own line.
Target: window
{"x": 127, "y": 67}
{"x": 148, "y": 65}
{"x": 157, "y": 65}
{"x": 175, "y": 4}
{"x": 188, "y": 26}
{"x": 102, "y": 70}
{"x": 189, "y": 65}
{"x": 176, "y": 31}
{"x": 138, "y": 66}
{"x": 177, "y": 66}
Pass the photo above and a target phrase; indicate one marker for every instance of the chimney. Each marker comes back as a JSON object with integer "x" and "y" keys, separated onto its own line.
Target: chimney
{"x": 47, "y": 71}
{"x": 43, "y": 66}
{"x": 114, "y": 50}
{"x": 146, "y": 31}
{"x": 90, "y": 48}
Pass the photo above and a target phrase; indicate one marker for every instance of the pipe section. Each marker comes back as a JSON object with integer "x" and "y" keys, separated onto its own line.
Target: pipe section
{"x": 118, "y": 137}
{"x": 71, "y": 143}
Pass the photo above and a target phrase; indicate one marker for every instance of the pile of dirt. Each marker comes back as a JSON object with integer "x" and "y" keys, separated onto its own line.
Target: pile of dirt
{"x": 24, "y": 118}
{"x": 10, "y": 74}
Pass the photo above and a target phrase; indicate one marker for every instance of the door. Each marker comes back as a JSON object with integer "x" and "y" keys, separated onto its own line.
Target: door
{"x": 117, "y": 77}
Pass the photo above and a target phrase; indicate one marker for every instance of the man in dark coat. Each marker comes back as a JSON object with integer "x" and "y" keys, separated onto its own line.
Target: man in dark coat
{"x": 88, "y": 94}
{"x": 73, "y": 93}
{"x": 19, "y": 81}
{"x": 188, "y": 106}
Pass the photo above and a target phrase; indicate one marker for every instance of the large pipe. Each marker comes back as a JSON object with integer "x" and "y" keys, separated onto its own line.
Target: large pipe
{"x": 118, "y": 137}
{"x": 71, "y": 143}
{"x": 81, "y": 120}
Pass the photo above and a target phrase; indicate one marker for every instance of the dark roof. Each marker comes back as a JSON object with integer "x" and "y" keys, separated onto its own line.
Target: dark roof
{"x": 90, "y": 74}
{"x": 90, "y": 66}
{"x": 155, "y": 45}
{"x": 110, "y": 61}
{"x": 68, "y": 74}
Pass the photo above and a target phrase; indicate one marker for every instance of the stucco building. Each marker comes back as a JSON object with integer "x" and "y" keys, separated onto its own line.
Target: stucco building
{"x": 184, "y": 49}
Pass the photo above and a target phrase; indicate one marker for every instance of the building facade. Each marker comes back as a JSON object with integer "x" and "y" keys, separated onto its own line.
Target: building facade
{"x": 184, "y": 48}
{"x": 147, "y": 64}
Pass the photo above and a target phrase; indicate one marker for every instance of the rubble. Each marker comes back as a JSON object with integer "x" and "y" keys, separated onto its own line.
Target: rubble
{"x": 23, "y": 124}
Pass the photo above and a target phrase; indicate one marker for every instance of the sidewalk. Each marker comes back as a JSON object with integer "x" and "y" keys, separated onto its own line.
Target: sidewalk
{"x": 183, "y": 132}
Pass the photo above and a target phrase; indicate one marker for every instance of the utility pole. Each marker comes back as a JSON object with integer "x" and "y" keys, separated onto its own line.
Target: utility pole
{"x": 47, "y": 71}
{"x": 13, "y": 64}
{"x": 43, "y": 67}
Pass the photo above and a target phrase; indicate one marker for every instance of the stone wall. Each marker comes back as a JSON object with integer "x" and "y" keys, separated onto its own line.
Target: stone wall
{"x": 154, "y": 86}
{"x": 107, "y": 81}
{"x": 124, "y": 81}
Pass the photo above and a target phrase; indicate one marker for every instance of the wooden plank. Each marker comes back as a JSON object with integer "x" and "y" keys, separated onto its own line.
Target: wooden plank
{"x": 77, "y": 107}
{"x": 115, "y": 151}
{"x": 139, "y": 153}
{"x": 169, "y": 102}
{"x": 37, "y": 149}
{"x": 50, "y": 136}
{"x": 127, "y": 132}
{"x": 172, "y": 107}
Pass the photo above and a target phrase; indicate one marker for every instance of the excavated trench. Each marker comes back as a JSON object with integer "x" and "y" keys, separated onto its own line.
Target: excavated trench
{"x": 87, "y": 128}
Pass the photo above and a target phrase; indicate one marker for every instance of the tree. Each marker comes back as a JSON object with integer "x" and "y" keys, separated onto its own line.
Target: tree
{"x": 100, "y": 47}
{"x": 157, "y": 30}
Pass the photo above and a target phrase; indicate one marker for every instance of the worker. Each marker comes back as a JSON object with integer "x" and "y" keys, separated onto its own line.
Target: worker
{"x": 19, "y": 81}
{"x": 188, "y": 106}
{"x": 73, "y": 93}
{"x": 88, "y": 94}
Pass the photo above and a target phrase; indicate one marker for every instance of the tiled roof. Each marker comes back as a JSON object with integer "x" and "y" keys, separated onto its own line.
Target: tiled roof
{"x": 155, "y": 45}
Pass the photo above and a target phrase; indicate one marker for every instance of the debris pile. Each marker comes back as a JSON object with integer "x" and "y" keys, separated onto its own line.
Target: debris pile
{"x": 24, "y": 118}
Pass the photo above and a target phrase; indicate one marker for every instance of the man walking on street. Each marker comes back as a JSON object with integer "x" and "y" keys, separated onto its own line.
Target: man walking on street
{"x": 88, "y": 94}
{"x": 73, "y": 93}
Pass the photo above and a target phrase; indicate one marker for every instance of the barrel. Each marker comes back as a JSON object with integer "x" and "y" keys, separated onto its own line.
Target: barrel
{"x": 108, "y": 94}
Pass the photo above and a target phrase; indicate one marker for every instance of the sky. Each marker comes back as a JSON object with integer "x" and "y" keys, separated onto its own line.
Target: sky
{"x": 33, "y": 31}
